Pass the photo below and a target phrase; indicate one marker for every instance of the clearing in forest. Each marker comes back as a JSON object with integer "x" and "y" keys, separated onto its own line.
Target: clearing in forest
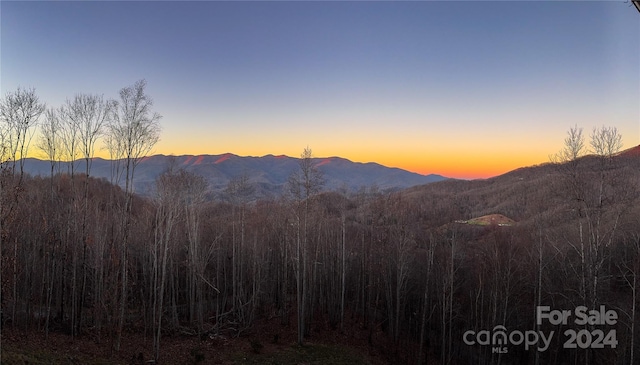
{"x": 489, "y": 219}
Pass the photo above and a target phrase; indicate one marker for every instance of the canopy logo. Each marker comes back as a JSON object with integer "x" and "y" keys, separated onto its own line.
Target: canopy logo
{"x": 590, "y": 337}
{"x": 498, "y": 339}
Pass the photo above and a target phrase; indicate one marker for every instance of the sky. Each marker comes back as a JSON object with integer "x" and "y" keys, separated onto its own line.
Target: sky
{"x": 465, "y": 89}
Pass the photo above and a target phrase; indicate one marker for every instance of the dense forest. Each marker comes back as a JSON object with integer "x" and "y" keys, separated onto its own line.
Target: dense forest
{"x": 416, "y": 269}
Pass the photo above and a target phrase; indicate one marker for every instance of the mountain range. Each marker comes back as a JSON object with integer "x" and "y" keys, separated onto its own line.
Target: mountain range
{"x": 268, "y": 174}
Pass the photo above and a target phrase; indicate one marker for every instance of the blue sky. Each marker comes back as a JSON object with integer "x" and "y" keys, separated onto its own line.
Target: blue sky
{"x": 466, "y": 89}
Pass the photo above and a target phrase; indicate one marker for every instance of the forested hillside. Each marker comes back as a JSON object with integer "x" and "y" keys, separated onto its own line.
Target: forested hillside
{"x": 392, "y": 264}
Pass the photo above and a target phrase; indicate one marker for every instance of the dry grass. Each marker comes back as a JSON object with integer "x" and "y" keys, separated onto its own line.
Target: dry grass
{"x": 492, "y": 219}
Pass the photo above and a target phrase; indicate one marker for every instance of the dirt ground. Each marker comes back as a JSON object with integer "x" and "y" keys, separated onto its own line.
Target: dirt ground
{"x": 267, "y": 342}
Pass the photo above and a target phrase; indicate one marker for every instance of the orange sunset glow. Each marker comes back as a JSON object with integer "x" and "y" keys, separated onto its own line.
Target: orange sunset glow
{"x": 462, "y": 156}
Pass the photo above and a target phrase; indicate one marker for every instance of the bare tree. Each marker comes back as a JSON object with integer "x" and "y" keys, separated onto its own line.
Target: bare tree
{"x": 573, "y": 147}
{"x": 70, "y": 126}
{"x": 50, "y": 144}
{"x": 303, "y": 183}
{"x": 194, "y": 189}
{"x": 133, "y": 130}
{"x": 50, "y": 140}
{"x": 70, "y": 135}
{"x": 239, "y": 190}
{"x": 448, "y": 288}
{"x": 425, "y": 305}
{"x": 167, "y": 214}
{"x": 90, "y": 114}
{"x": 19, "y": 113}
{"x": 398, "y": 241}
{"x": 606, "y": 141}
{"x": 596, "y": 193}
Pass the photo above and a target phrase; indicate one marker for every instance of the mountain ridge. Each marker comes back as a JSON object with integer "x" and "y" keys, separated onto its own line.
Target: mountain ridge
{"x": 268, "y": 173}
